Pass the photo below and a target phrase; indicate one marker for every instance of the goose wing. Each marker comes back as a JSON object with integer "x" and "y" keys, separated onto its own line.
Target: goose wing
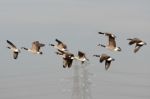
{"x": 15, "y": 55}
{"x": 107, "y": 64}
{"x": 10, "y": 43}
{"x": 112, "y": 42}
{"x": 61, "y": 45}
{"x": 58, "y": 41}
{"x": 133, "y": 41}
{"x": 36, "y": 46}
{"x": 60, "y": 51}
{"x": 103, "y": 57}
{"x": 67, "y": 60}
{"x": 137, "y": 48}
{"x": 81, "y": 54}
{"x": 67, "y": 63}
{"x": 64, "y": 63}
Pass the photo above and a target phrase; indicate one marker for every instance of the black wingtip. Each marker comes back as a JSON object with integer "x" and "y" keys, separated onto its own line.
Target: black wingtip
{"x": 7, "y": 41}
{"x": 57, "y": 40}
{"x": 64, "y": 66}
{"x": 15, "y": 58}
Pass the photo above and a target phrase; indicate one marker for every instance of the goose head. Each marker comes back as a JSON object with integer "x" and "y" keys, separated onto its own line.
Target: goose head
{"x": 118, "y": 49}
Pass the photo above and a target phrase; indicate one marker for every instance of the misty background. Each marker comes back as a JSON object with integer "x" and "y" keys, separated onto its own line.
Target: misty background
{"x": 76, "y": 23}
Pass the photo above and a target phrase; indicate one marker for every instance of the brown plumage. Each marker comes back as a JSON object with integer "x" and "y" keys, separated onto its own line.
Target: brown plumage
{"x": 138, "y": 43}
{"x": 67, "y": 58}
{"x": 14, "y": 49}
{"x": 106, "y": 58}
{"x": 81, "y": 57}
{"x": 60, "y": 45}
{"x": 35, "y": 49}
{"x": 111, "y": 42}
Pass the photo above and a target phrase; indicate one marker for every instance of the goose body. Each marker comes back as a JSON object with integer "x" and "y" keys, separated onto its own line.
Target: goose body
{"x": 138, "y": 43}
{"x": 67, "y": 58}
{"x": 60, "y": 45}
{"x": 106, "y": 58}
{"x": 35, "y": 49}
{"x": 14, "y": 49}
{"x": 111, "y": 42}
{"x": 81, "y": 57}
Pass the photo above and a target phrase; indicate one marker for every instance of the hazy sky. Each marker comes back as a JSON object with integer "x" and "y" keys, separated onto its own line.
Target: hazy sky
{"x": 76, "y": 22}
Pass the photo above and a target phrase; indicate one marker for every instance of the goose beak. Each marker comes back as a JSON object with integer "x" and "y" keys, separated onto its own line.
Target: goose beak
{"x": 51, "y": 45}
{"x": 99, "y": 45}
{"x": 8, "y": 47}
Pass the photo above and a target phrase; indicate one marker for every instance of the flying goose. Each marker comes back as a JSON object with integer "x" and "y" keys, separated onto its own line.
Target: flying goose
{"x": 138, "y": 43}
{"x": 67, "y": 58}
{"x": 60, "y": 46}
{"x": 14, "y": 49}
{"x": 81, "y": 57}
{"x": 35, "y": 49}
{"x": 112, "y": 43}
{"x": 106, "y": 58}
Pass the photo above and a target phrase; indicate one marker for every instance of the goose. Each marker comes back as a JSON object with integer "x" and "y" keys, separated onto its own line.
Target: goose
{"x": 112, "y": 43}
{"x": 35, "y": 49}
{"x": 106, "y": 58}
{"x": 138, "y": 43}
{"x": 67, "y": 58}
{"x": 81, "y": 57}
{"x": 60, "y": 46}
{"x": 14, "y": 49}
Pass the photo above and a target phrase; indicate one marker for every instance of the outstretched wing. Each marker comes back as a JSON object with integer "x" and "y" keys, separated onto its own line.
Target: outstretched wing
{"x": 107, "y": 64}
{"x": 64, "y": 63}
{"x": 61, "y": 45}
{"x": 103, "y": 57}
{"x": 15, "y": 55}
{"x": 67, "y": 61}
{"x": 10, "y": 43}
{"x": 112, "y": 42}
{"x": 137, "y": 48}
{"x": 36, "y": 46}
{"x": 58, "y": 41}
{"x": 81, "y": 54}
{"x": 133, "y": 41}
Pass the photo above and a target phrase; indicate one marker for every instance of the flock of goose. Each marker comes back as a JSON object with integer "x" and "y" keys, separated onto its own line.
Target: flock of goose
{"x": 68, "y": 57}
